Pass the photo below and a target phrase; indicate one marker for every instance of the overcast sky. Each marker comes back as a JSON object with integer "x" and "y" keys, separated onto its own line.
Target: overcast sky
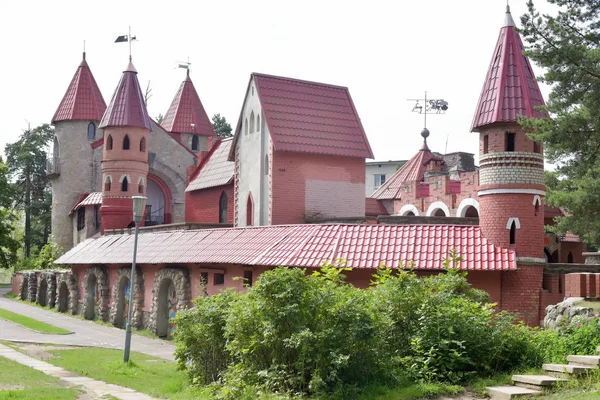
{"x": 385, "y": 52}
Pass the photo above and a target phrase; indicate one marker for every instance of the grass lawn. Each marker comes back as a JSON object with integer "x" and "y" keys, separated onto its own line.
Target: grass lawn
{"x": 146, "y": 374}
{"x": 20, "y": 382}
{"x": 591, "y": 304}
{"x": 31, "y": 323}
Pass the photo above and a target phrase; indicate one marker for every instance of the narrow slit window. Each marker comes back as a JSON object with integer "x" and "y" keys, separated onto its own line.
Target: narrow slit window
{"x": 91, "y": 131}
{"x": 124, "y": 185}
{"x": 143, "y": 145}
{"x": 109, "y": 142}
{"x": 195, "y": 143}
{"x": 126, "y": 142}
{"x": 510, "y": 141}
{"x": 252, "y": 122}
{"x": 513, "y": 233}
{"x": 486, "y": 142}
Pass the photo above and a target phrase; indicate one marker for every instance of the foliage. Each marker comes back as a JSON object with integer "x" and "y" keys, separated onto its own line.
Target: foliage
{"x": 566, "y": 46}
{"x": 44, "y": 259}
{"x": 8, "y": 243}
{"x": 297, "y": 334}
{"x": 221, "y": 126}
{"x": 26, "y": 159}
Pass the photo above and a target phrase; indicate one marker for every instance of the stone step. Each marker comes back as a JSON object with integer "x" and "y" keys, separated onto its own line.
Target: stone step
{"x": 567, "y": 369}
{"x": 535, "y": 382}
{"x": 510, "y": 392}
{"x": 591, "y": 361}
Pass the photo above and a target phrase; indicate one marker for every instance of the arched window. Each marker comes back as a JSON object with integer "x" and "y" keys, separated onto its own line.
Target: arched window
{"x": 109, "y": 142}
{"x": 91, "y": 131}
{"x": 513, "y": 233}
{"x": 252, "y": 122}
{"x": 141, "y": 185}
{"x": 223, "y": 208}
{"x": 124, "y": 183}
{"x": 537, "y": 209}
{"x": 107, "y": 183}
{"x": 258, "y": 123}
{"x": 249, "y": 211}
{"x": 126, "y": 142}
{"x": 195, "y": 143}
{"x": 143, "y": 145}
{"x": 246, "y": 124}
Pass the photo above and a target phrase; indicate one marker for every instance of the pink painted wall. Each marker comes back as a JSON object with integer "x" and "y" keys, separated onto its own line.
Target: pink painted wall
{"x": 16, "y": 283}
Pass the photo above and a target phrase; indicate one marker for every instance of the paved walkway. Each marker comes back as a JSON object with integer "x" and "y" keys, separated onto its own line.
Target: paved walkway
{"x": 85, "y": 333}
{"x": 92, "y": 386}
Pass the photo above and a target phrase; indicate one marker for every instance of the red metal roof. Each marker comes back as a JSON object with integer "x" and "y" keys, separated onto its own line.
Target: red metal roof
{"x": 87, "y": 199}
{"x": 510, "y": 88}
{"x": 362, "y": 246}
{"x": 216, "y": 170}
{"x": 413, "y": 170}
{"x": 570, "y": 237}
{"x": 373, "y": 208}
{"x": 310, "y": 117}
{"x": 83, "y": 99}
{"x": 127, "y": 106}
{"x": 187, "y": 110}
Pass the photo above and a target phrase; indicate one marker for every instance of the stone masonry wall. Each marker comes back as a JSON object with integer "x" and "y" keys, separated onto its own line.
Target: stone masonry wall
{"x": 511, "y": 168}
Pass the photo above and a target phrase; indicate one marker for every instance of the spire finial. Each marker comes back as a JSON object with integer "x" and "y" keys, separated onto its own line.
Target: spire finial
{"x": 84, "y": 50}
{"x": 508, "y": 19}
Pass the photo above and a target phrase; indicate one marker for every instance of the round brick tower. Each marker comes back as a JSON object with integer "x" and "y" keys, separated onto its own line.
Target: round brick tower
{"x": 125, "y": 160}
{"x": 71, "y": 165}
{"x": 511, "y": 175}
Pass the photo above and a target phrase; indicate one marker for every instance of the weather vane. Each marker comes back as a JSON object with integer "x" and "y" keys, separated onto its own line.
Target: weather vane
{"x": 126, "y": 38}
{"x": 184, "y": 65}
{"x": 429, "y": 106}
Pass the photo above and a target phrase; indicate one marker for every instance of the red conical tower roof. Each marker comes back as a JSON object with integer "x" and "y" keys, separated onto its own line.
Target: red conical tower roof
{"x": 510, "y": 88}
{"x": 186, "y": 113}
{"x": 127, "y": 106}
{"x": 83, "y": 100}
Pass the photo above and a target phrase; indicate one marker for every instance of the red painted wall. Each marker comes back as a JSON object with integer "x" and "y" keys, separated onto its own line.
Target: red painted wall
{"x": 291, "y": 171}
{"x": 16, "y": 283}
{"x": 203, "y": 205}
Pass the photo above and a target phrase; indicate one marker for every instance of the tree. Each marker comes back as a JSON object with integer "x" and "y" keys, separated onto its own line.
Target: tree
{"x": 566, "y": 46}
{"x": 26, "y": 159}
{"x": 8, "y": 244}
{"x": 159, "y": 118}
{"x": 221, "y": 126}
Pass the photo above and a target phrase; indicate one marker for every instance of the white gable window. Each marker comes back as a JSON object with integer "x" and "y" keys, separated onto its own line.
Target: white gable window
{"x": 258, "y": 123}
{"x": 252, "y": 122}
{"x": 246, "y": 123}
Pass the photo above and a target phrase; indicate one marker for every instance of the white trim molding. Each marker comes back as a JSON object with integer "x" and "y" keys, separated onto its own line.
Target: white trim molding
{"x": 123, "y": 177}
{"x": 532, "y": 260}
{"x": 511, "y": 191}
{"x": 466, "y": 203}
{"x": 516, "y": 221}
{"x": 408, "y": 208}
{"x": 537, "y": 199}
{"x": 438, "y": 205}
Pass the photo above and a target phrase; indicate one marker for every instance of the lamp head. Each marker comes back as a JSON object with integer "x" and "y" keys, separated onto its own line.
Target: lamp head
{"x": 139, "y": 206}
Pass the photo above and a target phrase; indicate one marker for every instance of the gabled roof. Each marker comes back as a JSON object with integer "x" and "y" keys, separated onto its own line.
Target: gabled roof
{"x": 413, "y": 170}
{"x": 83, "y": 100}
{"x": 510, "y": 88}
{"x": 87, "y": 199}
{"x": 127, "y": 106}
{"x": 216, "y": 170}
{"x": 186, "y": 113}
{"x": 362, "y": 246}
{"x": 309, "y": 117}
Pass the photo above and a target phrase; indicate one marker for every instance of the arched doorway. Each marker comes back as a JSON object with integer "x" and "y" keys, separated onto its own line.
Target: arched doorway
{"x": 24, "y": 287}
{"x": 167, "y": 308}
{"x": 42, "y": 292}
{"x": 439, "y": 213}
{"x": 63, "y": 297}
{"x": 155, "y": 205}
{"x": 123, "y": 296}
{"x": 92, "y": 298}
{"x": 409, "y": 214}
{"x": 471, "y": 212}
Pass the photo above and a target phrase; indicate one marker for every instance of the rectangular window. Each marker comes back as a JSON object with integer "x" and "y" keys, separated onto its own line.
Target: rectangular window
{"x": 80, "y": 218}
{"x": 537, "y": 147}
{"x": 248, "y": 278}
{"x": 219, "y": 279}
{"x": 485, "y": 144}
{"x": 510, "y": 141}
{"x": 204, "y": 278}
{"x": 379, "y": 180}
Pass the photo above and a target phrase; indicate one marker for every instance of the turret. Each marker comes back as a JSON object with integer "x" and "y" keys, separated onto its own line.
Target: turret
{"x": 71, "y": 165}
{"x": 187, "y": 120}
{"x": 125, "y": 160}
{"x": 511, "y": 173}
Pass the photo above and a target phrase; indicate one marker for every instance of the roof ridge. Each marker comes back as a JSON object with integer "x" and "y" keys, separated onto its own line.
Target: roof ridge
{"x": 298, "y": 80}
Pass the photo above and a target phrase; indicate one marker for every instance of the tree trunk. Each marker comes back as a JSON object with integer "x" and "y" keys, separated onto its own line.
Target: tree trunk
{"x": 27, "y": 212}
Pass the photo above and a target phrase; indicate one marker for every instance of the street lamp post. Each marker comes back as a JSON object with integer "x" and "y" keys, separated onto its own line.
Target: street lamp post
{"x": 139, "y": 203}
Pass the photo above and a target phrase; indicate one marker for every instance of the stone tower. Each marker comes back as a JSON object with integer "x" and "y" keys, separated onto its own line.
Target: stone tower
{"x": 511, "y": 173}
{"x": 125, "y": 160}
{"x": 71, "y": 165}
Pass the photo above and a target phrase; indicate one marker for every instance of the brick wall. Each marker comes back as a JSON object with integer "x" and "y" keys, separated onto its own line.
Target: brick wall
{"x": 521, "y": 293}
{"x": 203, "y": 205}
{"x": 497, "y": 136}
{"x": 576, "y": 249}
{"x": 292, "y": 171}
{"x": 582, "y": 285}
{"x": 495, "y": 211}
{"x": 554, "y": 292}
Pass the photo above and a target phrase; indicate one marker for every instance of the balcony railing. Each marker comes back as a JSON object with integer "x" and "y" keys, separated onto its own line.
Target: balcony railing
{"x": 53, "y": 167}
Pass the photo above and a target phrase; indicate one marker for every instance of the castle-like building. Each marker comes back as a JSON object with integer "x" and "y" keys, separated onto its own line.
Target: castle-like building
{"x": 289, "y": 189}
